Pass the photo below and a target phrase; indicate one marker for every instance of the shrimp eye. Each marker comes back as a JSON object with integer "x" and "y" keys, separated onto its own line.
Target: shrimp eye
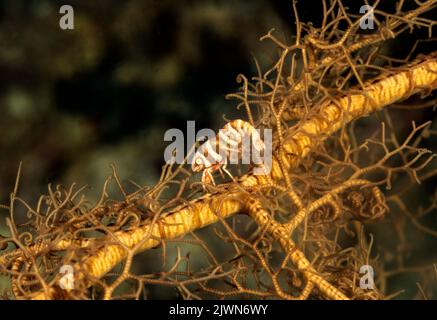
{"x": 198, "y": 161}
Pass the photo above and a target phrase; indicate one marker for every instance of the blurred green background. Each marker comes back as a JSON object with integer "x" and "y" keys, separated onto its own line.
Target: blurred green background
{"x": 74, "y": 101}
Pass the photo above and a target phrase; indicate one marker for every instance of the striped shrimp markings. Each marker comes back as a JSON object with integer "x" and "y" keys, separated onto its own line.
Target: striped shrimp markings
{"x": 238, "y": 142}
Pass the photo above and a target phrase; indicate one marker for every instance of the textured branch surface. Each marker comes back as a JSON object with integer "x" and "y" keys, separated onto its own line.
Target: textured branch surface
{"x": 210, "y": 209}
{"x": 324, "y": 185}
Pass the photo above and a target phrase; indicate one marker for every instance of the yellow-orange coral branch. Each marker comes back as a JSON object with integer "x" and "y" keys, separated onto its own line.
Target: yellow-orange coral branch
{"x": 279, "y": 233}
{"x": 299, "y": 141}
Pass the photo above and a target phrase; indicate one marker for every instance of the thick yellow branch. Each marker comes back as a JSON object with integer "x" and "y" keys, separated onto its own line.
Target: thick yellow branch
{"x": 375, "y": 96}
{"x": 297, "y": 144}
{"x": 280, "y": 233}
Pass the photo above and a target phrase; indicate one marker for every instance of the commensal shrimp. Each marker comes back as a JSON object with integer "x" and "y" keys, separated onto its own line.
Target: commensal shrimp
{"x": 214, "y": 154}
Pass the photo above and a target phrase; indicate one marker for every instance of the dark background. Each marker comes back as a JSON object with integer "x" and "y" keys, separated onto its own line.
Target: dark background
{"x": 74, "y": 101}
